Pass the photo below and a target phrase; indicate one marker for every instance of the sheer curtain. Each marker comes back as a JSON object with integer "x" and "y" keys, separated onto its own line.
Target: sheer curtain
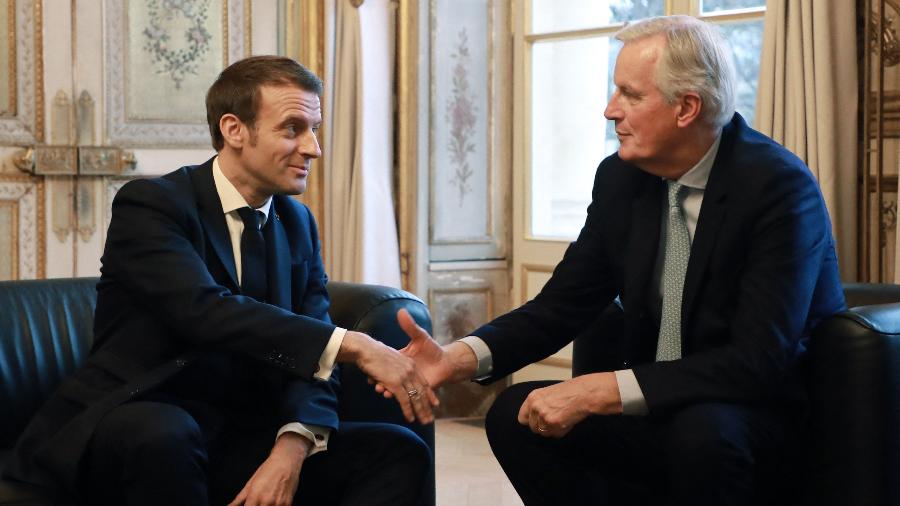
{"x": 360, "y": 226}
{"x": 807, "y": 101}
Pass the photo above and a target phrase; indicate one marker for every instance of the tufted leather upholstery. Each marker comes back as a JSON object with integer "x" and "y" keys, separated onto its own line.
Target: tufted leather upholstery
{"x": 852, "y": 456}
{"x": 46, "y": 332}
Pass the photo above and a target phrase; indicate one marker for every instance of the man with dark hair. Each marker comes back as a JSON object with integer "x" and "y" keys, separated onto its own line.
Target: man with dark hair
{"x": 717, "y": 244}
{"x": 212, "y": 378}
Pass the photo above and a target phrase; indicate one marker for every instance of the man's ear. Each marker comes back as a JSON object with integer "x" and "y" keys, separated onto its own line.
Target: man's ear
{"x": 232, "y": 130}
{"x": 690, "y": 105}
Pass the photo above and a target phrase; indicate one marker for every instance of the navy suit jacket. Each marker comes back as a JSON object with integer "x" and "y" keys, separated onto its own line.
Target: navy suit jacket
{"x": 761, "y": 274}
{"x": 168, "y": 298}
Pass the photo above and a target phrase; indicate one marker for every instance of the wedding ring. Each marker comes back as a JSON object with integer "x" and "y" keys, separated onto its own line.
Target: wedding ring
{"x": 542, "y": 429}
{"x": 412, "y": 393}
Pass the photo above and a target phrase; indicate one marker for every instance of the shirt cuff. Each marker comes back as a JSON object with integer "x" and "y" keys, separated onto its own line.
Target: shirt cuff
{"x": 633, "y": 402}
{"x": 329, "y": 355}
{"x": 482, "y": 353}
{"x": 318, "y": 435}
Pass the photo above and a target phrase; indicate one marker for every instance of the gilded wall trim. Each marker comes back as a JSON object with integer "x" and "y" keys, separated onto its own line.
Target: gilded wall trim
{"x": 304, "y": 36}
{"x": 11, "y": 56}
{"x": 407, "y": 135}
{"x": 28, "y": 236}
{"x": 12, "y": 268}
{"x": 38, "y": 71}
{"x": 26, "y": 68}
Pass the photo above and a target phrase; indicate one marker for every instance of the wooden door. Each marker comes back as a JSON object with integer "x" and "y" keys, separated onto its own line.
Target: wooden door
{"x": 98, "y": 93}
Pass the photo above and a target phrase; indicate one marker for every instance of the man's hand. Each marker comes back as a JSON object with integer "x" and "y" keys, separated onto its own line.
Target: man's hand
{"x": 438, "y": 364}
{"x": 553, "y": 411}
{"x": 276, "y": 480}
{"x": 395, "y": 372}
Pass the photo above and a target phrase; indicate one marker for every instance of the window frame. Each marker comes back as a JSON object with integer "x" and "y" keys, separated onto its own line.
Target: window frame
{"x": 525, "y": 45}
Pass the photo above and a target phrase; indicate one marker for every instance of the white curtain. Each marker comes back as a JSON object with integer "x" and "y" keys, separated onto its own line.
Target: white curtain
{"x": 807, "y": 101}
{"x": 360, "y": 224}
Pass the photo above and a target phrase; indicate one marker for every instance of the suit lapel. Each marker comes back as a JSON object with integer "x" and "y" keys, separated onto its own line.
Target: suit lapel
{"x": 711, "y": 217}
{"x": 278, "y": 261}
{"x": 712, "y": 214}
{"x": 643, "y": 242}
{"x": 213, "y": 219}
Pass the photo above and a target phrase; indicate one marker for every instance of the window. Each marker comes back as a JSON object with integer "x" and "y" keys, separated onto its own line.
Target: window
{"x": 570, "y": 57}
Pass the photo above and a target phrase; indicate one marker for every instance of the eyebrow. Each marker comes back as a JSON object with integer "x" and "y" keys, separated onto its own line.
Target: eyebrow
{"x": 293, "y": 119}
{"x": 628, "y": 91}
{"x": 300, "y": 120}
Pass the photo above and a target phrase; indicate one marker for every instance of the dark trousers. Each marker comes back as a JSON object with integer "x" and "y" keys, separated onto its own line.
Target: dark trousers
{"x": 712, "y": 453}
{"x": 150, "y": 452}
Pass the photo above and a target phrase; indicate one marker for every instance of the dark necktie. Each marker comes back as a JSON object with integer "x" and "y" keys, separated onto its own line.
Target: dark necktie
{"x": 253, "y": 255}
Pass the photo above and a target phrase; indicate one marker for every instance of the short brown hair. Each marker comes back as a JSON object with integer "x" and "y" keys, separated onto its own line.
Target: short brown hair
{"x": 236, "y": 90}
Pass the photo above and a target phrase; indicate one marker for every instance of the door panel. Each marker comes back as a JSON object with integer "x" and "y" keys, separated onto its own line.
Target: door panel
{"x": 93, "y": 86}
{"x": 454, "y": 124}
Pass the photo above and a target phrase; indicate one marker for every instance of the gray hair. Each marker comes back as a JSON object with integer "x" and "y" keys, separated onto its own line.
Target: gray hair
{"x": 696, "y": 58}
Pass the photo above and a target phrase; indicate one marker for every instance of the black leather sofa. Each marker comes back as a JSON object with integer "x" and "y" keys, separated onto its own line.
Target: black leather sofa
{"x": 851, "y": 455}
{"x": 46, "y": 332}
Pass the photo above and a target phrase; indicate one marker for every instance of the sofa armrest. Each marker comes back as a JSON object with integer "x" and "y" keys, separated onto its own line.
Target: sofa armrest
{"x": 372, "y": 309}
{"x": 854, "y": 386}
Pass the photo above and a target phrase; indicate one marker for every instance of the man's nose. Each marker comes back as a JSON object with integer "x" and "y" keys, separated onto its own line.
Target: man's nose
{"x": 309, "y": 146}
{"x": 612, "y": 110}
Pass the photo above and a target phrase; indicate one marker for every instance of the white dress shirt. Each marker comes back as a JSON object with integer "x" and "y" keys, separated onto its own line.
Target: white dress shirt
{"x": 231, "y": 201}
{"x": 633, "y": 402}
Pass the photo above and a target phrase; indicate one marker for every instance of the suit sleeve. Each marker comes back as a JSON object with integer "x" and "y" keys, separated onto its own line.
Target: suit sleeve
{"x": 154, "y": 250}
{"x": 789, "y": 243}
{"x": 313, "y": 402}
{"x": 582, "y": 284}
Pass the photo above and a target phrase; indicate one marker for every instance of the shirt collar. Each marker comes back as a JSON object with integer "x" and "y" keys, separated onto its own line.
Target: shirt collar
{"x": 231, "y": 198}
{"x": 699, "y": 174}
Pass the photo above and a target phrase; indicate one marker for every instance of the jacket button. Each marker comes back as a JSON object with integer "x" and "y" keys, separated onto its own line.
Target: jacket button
{"x": 181, "y": 362}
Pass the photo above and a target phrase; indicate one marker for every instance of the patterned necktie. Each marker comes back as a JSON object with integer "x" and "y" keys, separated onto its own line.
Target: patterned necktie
{"x": 678, "y": 250}
{"x": 253, "y": 255}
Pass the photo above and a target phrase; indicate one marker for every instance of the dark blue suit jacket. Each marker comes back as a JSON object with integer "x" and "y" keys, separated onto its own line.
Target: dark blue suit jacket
{"x": 762, "y": 273}
{"x": 168, "y": 298}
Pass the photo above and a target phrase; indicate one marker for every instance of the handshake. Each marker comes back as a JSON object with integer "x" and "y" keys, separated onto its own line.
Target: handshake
{"x": 411, "y": 374}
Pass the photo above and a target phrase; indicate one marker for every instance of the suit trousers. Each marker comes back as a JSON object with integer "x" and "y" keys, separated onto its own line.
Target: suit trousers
{"x": 713, "y": 453}
{"x": 185, "y": 453}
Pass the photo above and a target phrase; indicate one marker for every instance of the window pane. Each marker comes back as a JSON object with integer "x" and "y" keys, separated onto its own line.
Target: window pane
{"x": 708, "y": 6}
{"x": 569, "y": 135}
{"x": 746, "y": 48}
{"x": 556, "y": 15}
{"x": 571, "y": 85}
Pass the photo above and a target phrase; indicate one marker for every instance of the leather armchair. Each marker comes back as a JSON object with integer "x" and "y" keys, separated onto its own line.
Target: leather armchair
{"x": 852, "y": 450}
{"x": 46, "y": 332}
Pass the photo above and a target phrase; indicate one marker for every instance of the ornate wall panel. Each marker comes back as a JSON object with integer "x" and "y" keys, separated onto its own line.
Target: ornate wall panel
{"x": 161, "y": 58}
{"x": 21, "y": 93}
{"x": 468, "y": 132}
{"x": 461, "y": 301}
{"x": 22, "y": 246}
{"x": 7, "y": 58}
